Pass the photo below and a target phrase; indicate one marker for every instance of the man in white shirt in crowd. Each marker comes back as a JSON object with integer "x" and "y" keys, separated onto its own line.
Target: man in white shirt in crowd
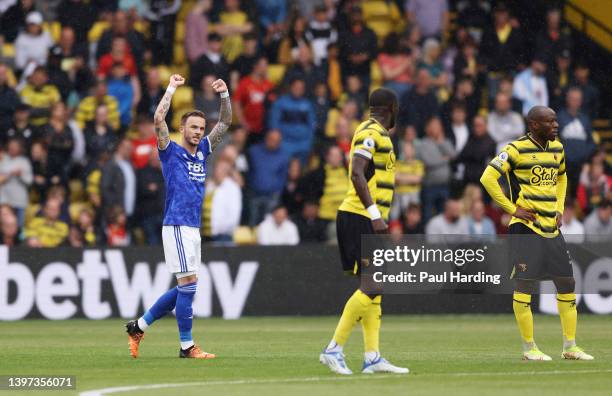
{"x": 277, "y": 229}
{"x": 530, "y": 86}
{"x": 449, "y": 222}
{"x": 572, "y": 229}
{"x": 598, "y": 225}
{"x": 504, "y": 125}
{"x": 15, "y": 178}
{"x": 226, "y": 205}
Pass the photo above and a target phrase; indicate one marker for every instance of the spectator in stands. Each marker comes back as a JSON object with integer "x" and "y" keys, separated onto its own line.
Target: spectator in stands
{"x": 558, "y": 78}
{"x": 320, "y": 34}
{"x": 144, "y": 144}
{"x": 277, "y": 229}
{"x": 126, "y": 90}
{"x": 21, "y": 128}
{"x": 436, "y": 152}
{"x": 413, "y": 220}
{"x": 99, "y": 134}
{"x": 9, "y": 100}
{"x": 467, "y": 63}
{"x": 598, "y": 225}
{"x": 13, "y": 20}
{"x": 502, "y": 47}
{"x": 9, "y": 229}
{"x": 430, "y": 15}
{"x": 118, "y": 184}
{"x": 293, "y": 115}
{"x": 303, "y": 68}
{"x": 83, "y": 233}
{"x": 530, "y": 86}
{"x": 86, "y": 111}
{"x": 40, "y": 95}
{"x": 431, "y": 62}
{"x": 233, "y": 23}
{"x": 73, "y": 57}
{"x": 57, "y": 76}
{"x": 225, "y": 199}
{"x": 573, "y": 230}
{"x": 331, "y": 66}
{"x": 356, "y": 92}
{"x": 59, "y": 139}
{"x": 268, "y": 164}
{"x": 449, "y": 222}
{"x": 590, "y": 92}
{"x": 116, "y": 230}
{"x": 409, "y": 173}
{"x": 272, "y": 24}
{"x": 119, "y": 54}
{"x": 358, "y": 46}
{"x": 197, "y": 30}
{"x": 161, "y": 15}
{"x": 47, "y": 229}
{"x": 122, "y": 26}
{"x": 410, "y": 41}
{"x": 458, "y": 130}
{"x": 38, "y": 158}
{"x": 419, "y": 104}
{"x": 311, "y": 228}
{"x": 15, "y": 177}
{"x": 212, "y": 62}
{"x": 243, "y": 65}
{"x": 473, "y": 16}
{"x": 594, "y": 186}
{"x": 32, "y": 44}
{"x": 78, "y": 15}
{"x": 553, "y": 39}
{"x": 327, "y": 185}
{"x": 383, "y": 17}
{"x": 322, "y": 104}
{"x": 576, "y": 135}
{"x": 478, "y": 223}
{"x": 396, "y": 66}
{"x": 249, "y": 99}
{"x": 152, "y": 93}
{"x": 477, "y": 153}
{"x": 292, "y": 196}
{"x": 503, "y": 124}
{"x": 150, "y": 193}
{"x": 207, "y": 100}
{"x": 296, "y": 38}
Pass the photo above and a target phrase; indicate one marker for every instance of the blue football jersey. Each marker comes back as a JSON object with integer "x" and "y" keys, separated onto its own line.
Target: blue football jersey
{"x": 184, "y": 177}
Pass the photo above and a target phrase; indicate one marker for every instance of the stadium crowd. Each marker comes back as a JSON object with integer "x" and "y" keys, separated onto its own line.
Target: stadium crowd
{"x": 80, "y": 81}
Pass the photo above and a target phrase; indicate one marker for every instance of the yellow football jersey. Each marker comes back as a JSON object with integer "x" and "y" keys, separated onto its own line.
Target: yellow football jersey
{"x": 532, "y": 172}
{"x": 372, "y": 141}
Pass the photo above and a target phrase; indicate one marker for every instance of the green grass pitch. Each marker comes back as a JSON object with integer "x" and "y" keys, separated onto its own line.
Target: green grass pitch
{"x": 458, "y": 355}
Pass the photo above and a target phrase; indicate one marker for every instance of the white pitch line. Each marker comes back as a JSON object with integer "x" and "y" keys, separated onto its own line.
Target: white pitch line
{"x": 121, "y": 389}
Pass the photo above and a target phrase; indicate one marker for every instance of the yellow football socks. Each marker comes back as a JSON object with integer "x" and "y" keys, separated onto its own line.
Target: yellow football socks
{"x": 371, "y": 325}
{"x": 566, "y": 303}
{"x": 522, "y": 311}
{"x": 354, "y": 311}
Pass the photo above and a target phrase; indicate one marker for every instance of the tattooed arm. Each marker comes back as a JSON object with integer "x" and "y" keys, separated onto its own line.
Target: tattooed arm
{"x": 161, "y": 128}
{"x": 225, "y": 116}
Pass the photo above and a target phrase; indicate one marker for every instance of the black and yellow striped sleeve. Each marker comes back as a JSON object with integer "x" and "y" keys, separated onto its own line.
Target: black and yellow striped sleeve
{"x": 499, "y": 166}
{"x": 366, "y": 143}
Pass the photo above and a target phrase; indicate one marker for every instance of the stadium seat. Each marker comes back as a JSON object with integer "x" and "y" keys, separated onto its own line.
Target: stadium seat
{"x": 179, "y": 32}
{"x": 244, "y": 235}
{"x": 164, "y": 74}
{"x": 276, "y": 72}
{"x": 176, "y": 119}
{"x": 183, "y": 98}
{"x": 142, "y": 27}
{"x": 179, "y": 54}
{"x": 54, "y": 29}
{"x": 96, "y": 31}
{"x": 376, "y": 76}
{"x": 77, "y": 193}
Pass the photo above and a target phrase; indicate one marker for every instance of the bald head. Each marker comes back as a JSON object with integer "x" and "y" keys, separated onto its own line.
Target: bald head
{"x": 542, "y": 123}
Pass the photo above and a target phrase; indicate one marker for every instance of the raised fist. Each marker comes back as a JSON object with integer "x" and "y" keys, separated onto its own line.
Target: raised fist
{"x": 219, "y": 86}
{"x": 176, "y": 80}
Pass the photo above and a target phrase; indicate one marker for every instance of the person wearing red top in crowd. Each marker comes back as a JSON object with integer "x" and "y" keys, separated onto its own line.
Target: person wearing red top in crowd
{"x": 250, "y": 97}
{"x": 116, "y": 230}
{"x": 145, "y": 143}
{"x": 120, "y": 53}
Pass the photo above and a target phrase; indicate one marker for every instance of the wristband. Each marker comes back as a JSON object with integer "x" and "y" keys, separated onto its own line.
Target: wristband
{"x": 374, "y": 212}
{"x": 171, "y": 90}
{"x": 225, "y": 94}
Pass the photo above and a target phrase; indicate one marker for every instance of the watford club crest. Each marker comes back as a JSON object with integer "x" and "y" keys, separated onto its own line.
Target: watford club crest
{"x": 522, "y": 267}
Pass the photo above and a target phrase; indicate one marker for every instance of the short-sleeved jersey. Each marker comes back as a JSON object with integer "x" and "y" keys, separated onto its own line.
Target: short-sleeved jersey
{"x": 372, "y": 141}
{"x": 184, "y": 177}
{"x": 532, "y": 172}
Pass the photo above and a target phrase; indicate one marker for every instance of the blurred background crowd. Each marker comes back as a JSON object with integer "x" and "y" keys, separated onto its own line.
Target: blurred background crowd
{"x": 80, "y": 81}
